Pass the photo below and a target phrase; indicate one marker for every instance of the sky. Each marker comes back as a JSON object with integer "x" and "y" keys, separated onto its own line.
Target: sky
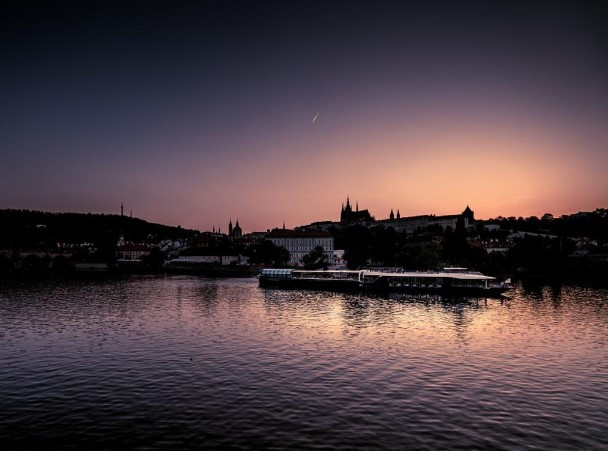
{"x": 192, "y": 113}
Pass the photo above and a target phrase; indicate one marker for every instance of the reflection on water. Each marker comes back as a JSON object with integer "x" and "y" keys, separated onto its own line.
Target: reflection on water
{"x": 182, "y": 362}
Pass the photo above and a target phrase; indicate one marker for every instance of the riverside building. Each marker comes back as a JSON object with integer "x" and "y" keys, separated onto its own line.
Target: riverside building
{"x": 301, "y": 242}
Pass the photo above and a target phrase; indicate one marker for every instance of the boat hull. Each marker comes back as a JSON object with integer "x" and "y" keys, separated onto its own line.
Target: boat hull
{"x": 356, "y": 286}
{"x": 444, "y": 291}
{"x": 311, "y": 284}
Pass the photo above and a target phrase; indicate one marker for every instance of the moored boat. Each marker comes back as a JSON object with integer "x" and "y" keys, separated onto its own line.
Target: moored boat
{"x": 302, "y": 279}
{"x": 449, "y": 281}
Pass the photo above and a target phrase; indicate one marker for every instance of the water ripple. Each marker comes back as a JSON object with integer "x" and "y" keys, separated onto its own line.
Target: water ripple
{"x": 181, "y": 362}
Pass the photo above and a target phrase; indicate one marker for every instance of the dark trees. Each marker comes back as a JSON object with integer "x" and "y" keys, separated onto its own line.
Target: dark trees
{"x": 316, "y": 259}
{"x": 267, "y": 253}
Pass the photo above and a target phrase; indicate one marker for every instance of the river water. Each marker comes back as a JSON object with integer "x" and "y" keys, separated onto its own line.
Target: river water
{"x": 190, "y": 363}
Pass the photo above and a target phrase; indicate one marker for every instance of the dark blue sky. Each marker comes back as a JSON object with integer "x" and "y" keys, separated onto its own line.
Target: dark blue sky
{"x": 194, "y": 112}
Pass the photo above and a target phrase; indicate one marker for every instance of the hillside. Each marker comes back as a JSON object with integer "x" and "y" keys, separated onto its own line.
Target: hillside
{"x": 27, "y": 228}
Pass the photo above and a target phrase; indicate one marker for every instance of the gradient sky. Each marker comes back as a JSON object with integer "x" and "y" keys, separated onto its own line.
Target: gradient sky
{"x": 194, "y": 113}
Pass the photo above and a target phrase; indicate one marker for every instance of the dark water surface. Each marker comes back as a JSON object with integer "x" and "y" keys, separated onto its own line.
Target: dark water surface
{"x": 189, "y": 363}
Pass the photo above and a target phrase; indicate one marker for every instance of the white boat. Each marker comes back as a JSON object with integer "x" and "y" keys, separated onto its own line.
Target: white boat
{"x": 450, "y": 280}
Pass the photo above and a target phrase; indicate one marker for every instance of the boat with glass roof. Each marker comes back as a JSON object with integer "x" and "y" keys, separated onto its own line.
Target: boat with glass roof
{"x": 449, "y": 281}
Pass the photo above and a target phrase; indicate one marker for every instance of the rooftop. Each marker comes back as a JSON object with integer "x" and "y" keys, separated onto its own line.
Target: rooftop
{"x": 134, "y": 247}
{"x": 288, "y": 233}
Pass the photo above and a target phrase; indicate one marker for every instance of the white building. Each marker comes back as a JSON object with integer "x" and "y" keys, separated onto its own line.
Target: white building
{"x": 302, "y": 242}
{"x": 193, "y": 260}
{"x": 337, "y": 259}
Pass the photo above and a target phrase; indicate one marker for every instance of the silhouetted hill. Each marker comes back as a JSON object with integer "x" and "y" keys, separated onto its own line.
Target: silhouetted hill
{"x": 27, "y": 228}
{"x": 591, "y": 224}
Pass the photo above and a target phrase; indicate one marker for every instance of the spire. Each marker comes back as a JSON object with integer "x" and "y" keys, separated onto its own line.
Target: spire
{"x": 398, "y": 215}
{"x": 357, "y": 207}
{"x": 348, "y": 208}
{"x": 121, "y": 239}
{"x": 283, "y": 224}
{"x": 392, "y": 215}
{"x": 468, "y": 213}
{"x": 230, "y": 227}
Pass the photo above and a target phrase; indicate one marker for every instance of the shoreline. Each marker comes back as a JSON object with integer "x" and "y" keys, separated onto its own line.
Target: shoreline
{"x": 530, "y": 280}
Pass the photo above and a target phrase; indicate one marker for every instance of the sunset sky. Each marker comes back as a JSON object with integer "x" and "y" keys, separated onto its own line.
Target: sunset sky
{"x": 194, "y": 113}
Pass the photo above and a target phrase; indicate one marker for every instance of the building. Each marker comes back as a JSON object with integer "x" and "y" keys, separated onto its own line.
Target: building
{"x": 338, "y": 261}
{"x": 408, "y": 225}
{"x": 348, "y": 216}
{"x": 132, "y": 251}
{"x": 491, "y": 227}
{"x": 301, "y": 242}
{"x": 319, "y": 225}
{"x": 234, "y": 232}
{"x": 255, "y": 237}
{"x": 217, "y": 255}
{"x": 492, "y": 245}
{"x": 213, "y": 259}
{"x": 203, "y": 240}
{"x": 412, "y": 224}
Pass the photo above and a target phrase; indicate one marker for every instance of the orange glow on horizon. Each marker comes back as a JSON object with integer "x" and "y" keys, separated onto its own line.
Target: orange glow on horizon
{"x": 434, "y": 169}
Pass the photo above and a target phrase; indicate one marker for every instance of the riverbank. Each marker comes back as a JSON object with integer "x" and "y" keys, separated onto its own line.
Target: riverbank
{"x": 101, "y": 270}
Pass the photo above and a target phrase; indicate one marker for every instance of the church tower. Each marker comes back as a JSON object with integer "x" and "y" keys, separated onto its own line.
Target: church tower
{"x": 237, "y": 232}
{"x": 468, "y": 213}
{"x": 347, "y": 211}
